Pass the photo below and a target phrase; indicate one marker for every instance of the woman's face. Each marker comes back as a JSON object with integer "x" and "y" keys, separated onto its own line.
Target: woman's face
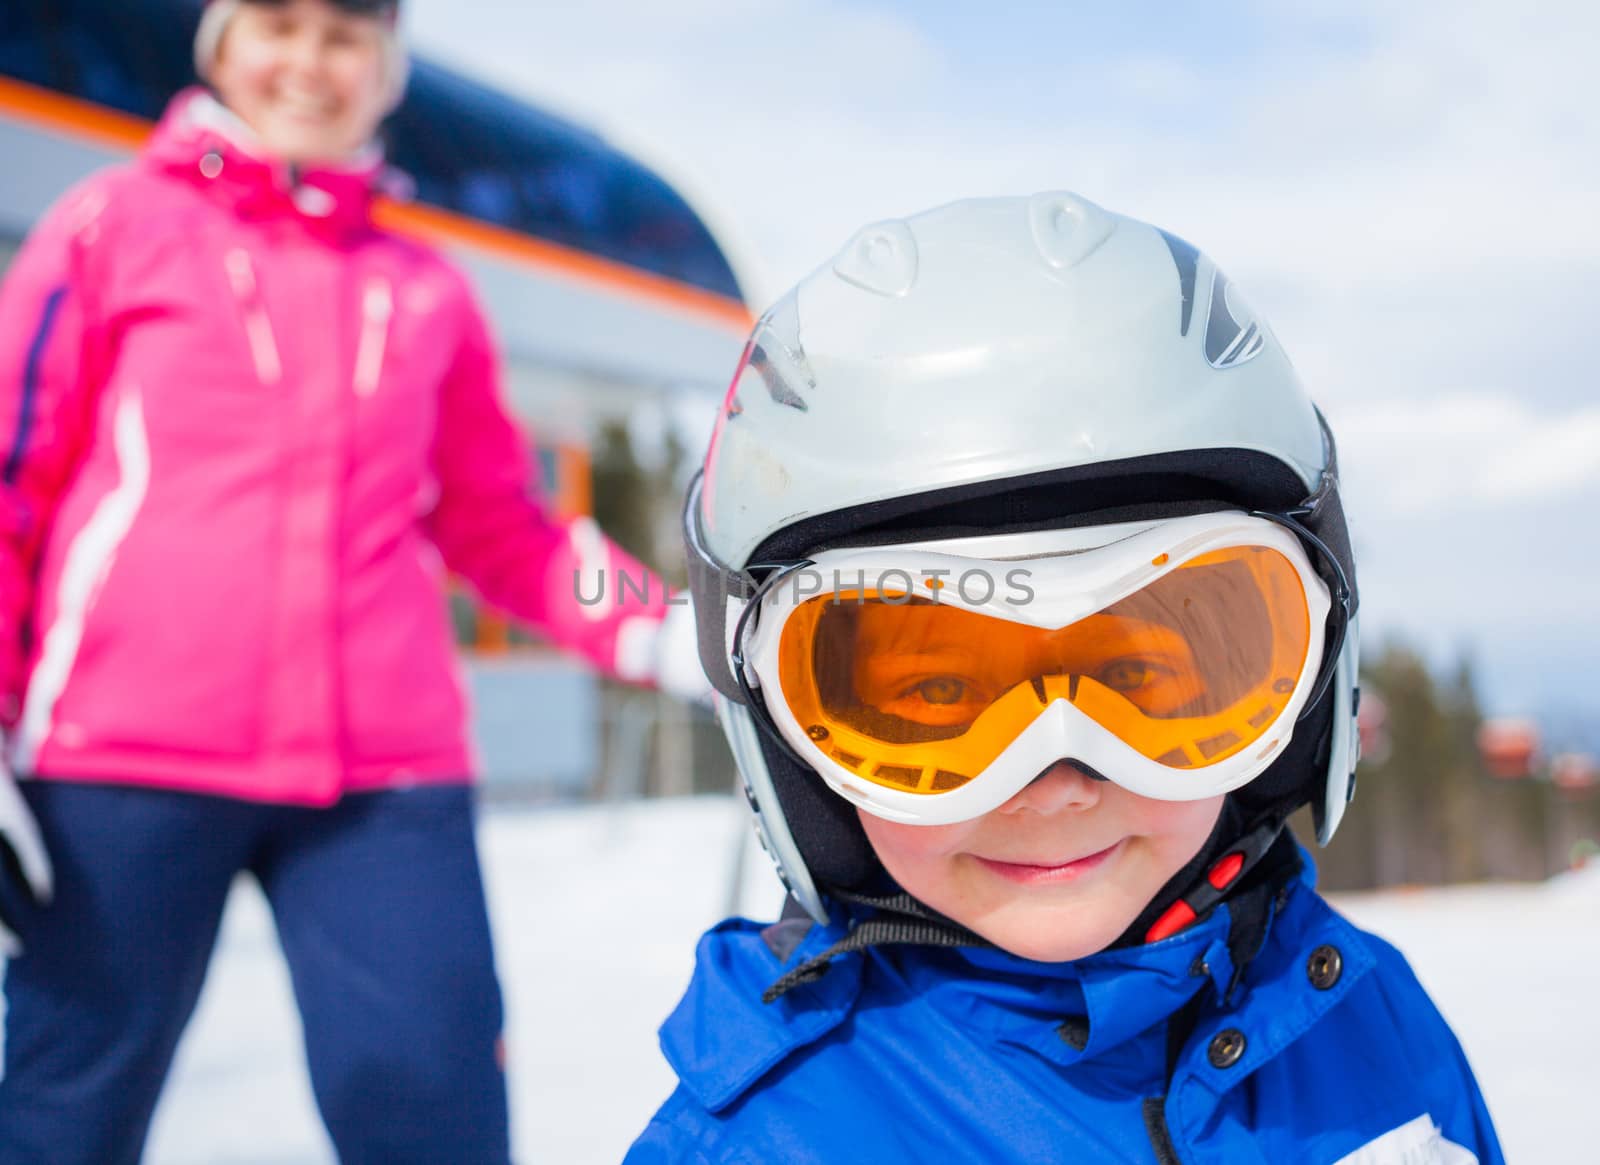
{"x": 305, "y": 76}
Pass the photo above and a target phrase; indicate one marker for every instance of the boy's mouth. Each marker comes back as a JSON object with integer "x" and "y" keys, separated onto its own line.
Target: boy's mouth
{"x": 1030, "y": 873}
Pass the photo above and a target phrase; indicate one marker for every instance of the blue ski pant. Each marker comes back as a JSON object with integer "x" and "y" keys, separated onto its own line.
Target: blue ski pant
{"x": 379, "y": 907}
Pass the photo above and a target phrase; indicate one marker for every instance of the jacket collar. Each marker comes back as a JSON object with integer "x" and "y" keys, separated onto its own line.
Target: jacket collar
{"x": 202, "y": 141}
{"x": 722, "y": 1039}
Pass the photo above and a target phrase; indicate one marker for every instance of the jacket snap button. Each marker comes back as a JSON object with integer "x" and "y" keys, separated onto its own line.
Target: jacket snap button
{"x": 1324, "y": 967}
{"x": 1227, "y": 1047}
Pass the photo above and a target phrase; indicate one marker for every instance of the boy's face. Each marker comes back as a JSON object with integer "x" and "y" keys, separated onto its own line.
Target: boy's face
{"x": 1057, "y": 872}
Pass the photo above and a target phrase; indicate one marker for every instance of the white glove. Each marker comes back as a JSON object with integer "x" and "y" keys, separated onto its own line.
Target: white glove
{"x": 678, "y": 670}
{"x": 664, "y": 653}
{"x": 20, "y": 844}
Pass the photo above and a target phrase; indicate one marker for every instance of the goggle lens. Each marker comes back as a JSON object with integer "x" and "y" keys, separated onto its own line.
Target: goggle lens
{"x": 920, "y": 695}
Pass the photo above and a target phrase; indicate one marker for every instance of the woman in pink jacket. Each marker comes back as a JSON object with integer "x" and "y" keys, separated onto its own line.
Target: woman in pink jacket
{"x": 247, "y": 433}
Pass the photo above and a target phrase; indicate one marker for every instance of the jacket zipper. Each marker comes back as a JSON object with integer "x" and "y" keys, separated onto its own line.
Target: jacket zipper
{"x": 377, "y": 309}
{"x": 257, "y": 327}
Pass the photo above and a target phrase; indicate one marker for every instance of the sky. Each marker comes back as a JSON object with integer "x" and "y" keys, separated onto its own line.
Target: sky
{"x": 1406, "y": 192}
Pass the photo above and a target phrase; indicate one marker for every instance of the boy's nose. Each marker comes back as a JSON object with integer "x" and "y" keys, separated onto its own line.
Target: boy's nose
{"x": 1063, "y": 786}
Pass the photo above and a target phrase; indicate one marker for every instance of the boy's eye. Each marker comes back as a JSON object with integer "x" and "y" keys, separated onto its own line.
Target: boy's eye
{"x": 942, "y": 690}
{"x": 942, "y": 700}
{"x": 1155, "y": 686}
{"x": 1128, "y": 675}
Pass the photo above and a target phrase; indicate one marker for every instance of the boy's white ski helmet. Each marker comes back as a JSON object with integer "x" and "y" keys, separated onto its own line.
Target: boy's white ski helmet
{"x": 1003, "y": 363}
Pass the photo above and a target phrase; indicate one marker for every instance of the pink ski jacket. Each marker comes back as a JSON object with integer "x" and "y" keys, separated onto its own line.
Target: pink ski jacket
{"x": 245, "y": 435}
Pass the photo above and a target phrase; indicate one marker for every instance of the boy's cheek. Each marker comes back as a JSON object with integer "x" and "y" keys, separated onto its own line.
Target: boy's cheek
{"x": 914, "y": 845}
{"x": 1179, "y": 828}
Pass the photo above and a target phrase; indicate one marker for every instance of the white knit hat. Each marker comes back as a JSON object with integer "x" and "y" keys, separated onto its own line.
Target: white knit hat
{"x": 214, "y": 22}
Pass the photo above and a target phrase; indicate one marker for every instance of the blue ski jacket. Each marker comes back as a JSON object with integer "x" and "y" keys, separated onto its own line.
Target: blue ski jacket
{"x": 1328, "y": 1051}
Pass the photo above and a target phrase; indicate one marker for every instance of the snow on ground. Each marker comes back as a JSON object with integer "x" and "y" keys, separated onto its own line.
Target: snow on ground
{"x": 1516, "y": 970}
{"x": 596, "y": 912}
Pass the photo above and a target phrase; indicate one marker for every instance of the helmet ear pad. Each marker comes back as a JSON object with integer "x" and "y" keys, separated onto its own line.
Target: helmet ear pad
{"x": 824, "y": 825}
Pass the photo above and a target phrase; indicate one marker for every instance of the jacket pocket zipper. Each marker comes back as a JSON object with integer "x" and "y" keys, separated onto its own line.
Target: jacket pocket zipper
{"x": 377, "y": 309}
{"x": 257, "y": 326}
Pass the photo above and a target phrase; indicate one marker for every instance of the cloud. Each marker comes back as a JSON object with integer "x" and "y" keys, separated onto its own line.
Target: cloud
{"x": 1465, "y": 452}
{"x": 1427, "y": 134}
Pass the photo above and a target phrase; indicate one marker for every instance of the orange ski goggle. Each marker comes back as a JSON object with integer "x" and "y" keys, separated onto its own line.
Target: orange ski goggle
{"x": 931, "y": 683}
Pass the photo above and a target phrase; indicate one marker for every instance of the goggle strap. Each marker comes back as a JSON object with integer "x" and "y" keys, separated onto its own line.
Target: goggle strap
{"x": 751, "y": 698}
{"x": 712, "y": 584}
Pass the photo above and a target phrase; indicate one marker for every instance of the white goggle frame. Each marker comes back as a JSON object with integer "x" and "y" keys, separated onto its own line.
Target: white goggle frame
{"x": 1073, "y": 574}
